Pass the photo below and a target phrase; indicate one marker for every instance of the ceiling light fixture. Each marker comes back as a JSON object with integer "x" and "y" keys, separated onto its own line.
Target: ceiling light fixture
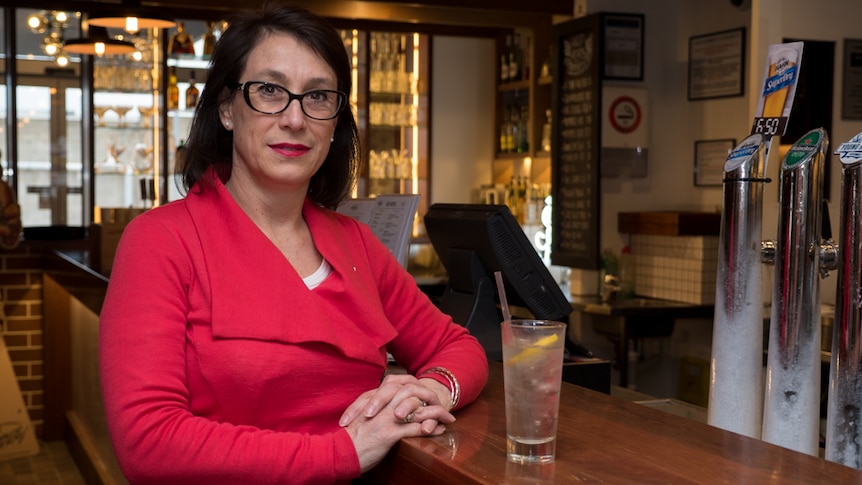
{"x": 52, "y": 24}
{"x": 98, "y": 43}
{"x": 132, "y": 23}
{"x": 131, "y": 17}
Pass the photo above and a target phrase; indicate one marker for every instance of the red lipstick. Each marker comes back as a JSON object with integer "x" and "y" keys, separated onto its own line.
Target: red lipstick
{"x": 290, "y": 149}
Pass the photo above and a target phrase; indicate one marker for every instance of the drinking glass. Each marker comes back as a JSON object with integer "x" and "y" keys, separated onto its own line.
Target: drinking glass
{"x": 100, "y": 111}
{"x": 121, "y": 112}
{"x": 532, "y": 373}
{"x": 146, "y": 113}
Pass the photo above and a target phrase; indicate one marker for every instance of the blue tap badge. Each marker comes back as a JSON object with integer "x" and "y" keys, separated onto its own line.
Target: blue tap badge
{"x": 850, "y": 151}
{"x": 743, "y": 152}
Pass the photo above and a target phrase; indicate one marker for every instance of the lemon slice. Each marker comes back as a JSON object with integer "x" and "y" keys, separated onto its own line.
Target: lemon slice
{"x": 534, "y": 349}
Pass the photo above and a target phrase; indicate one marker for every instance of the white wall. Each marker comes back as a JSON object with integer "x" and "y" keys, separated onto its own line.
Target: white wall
{"x": 674, "y": 122}
{"x": 461, "y": 148}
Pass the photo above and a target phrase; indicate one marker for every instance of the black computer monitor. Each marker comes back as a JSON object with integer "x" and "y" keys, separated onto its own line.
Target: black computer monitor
{"x": 473, "y": 241}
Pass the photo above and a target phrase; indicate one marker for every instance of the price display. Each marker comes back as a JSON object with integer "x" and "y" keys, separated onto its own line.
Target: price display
{"x": 769, "y": 127}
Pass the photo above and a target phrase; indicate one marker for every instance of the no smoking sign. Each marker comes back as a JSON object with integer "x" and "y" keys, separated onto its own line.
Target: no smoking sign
{"x": 625, "y": 114}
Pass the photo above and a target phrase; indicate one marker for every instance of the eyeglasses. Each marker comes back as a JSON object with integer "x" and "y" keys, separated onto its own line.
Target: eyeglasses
{"x": 271, "y": 99}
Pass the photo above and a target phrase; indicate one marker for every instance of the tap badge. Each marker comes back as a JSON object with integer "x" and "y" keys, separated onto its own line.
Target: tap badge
{"x": 851, "y": 150}
{"x": 803, "y": 148}
{"x": 743, "y": 152}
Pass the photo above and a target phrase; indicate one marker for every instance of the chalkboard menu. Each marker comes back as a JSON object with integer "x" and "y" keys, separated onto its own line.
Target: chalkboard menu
{"x": 576, "y": 119}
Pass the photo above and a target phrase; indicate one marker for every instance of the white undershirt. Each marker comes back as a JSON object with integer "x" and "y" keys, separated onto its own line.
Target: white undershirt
{"x": 314, "y": 280}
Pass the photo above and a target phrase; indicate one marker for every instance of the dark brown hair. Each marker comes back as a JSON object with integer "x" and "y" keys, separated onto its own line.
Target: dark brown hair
{"x": 210, "y": 144}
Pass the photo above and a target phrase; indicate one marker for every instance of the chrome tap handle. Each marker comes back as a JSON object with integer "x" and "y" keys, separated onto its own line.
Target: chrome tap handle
{"x": 828, "y": 257}
{"x": 767, "y": 252}
{"x": 828, "y": 248}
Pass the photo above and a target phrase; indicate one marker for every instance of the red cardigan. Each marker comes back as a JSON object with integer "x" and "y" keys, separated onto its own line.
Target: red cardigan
{"x": 219, "y": 365}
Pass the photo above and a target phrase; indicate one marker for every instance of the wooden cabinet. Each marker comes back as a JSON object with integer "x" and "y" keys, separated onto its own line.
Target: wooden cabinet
{"x": 522, "y": 109}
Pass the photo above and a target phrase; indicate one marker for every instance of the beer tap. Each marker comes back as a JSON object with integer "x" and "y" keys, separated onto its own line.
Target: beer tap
{"x": 736, "y": 385}
{"x": 791, "y": 415}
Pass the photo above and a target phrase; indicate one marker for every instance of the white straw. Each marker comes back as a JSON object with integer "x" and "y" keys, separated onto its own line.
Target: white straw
{"x": 502, "y": 291}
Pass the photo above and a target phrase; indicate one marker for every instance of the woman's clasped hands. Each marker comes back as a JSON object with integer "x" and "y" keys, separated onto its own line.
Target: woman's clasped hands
{"x": 403, "y": 406}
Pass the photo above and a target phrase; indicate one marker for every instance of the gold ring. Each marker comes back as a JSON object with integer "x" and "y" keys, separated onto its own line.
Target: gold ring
{"x": 409, "y": 418}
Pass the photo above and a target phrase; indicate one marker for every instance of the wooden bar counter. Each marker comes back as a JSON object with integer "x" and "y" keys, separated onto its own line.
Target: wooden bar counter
{"x": 601, "y": 439}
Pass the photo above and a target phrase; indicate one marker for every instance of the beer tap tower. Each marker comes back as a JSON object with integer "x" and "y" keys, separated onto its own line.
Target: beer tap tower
{"x": 802, "y": 253}
{"x": 843, "y": 430}
{"x": 736, "y": 367}
{"x": 789, "y": 415}
{"x": 785, "y": 410}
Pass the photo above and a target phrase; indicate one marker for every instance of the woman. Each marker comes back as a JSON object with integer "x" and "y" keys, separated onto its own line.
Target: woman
{"x": 244, "y": 335}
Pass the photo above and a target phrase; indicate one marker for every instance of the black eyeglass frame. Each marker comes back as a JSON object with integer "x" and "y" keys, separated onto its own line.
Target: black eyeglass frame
{"x": 244, "y": 87}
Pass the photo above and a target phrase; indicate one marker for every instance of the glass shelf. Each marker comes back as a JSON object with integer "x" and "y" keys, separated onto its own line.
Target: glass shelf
{"x": 127, "y": 128}
{"x": 392, "y": 107}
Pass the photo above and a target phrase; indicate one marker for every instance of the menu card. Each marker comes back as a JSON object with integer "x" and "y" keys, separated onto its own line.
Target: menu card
{"x": 390, "y": 218}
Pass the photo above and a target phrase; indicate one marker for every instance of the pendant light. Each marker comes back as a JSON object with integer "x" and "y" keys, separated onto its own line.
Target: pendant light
{"x": 131, "y": 17}
{"x": 98, "y": 43}
{"x": 131, "y": 22}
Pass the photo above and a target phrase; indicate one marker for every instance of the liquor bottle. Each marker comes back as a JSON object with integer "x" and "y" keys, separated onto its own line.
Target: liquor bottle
{"x": 523, "y": 143}
{"x": 512, "y": 198}
{"x": 523, "y": 198}
{"x": 511, "y": 128}
{"x": 504, "y": 68}
{"x": 514, "y": 59}
{"x": 192, "y": 93}
{"x": 180, "y": 157}
{"x": 546, "y": 132}
{"x": 173, "y": 100}
{"x": 505, "y": 72}
{"x": 504, "y": 123}
{"x": 209, "y": 40}
{"x": 525, "y": 60}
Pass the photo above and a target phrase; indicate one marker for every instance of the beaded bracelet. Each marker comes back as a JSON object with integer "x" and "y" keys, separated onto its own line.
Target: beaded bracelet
{"x": 454, "y": 386}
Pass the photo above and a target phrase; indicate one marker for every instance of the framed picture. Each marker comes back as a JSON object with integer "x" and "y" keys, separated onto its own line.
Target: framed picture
{"x": 851, "y": 80}
{"x": 623, "y": 46}
{"x": 709, "y": 159}
{"x": 716, "y": 65}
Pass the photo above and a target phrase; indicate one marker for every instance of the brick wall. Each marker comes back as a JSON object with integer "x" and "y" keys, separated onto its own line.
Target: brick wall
{"x": 21, "y": 324}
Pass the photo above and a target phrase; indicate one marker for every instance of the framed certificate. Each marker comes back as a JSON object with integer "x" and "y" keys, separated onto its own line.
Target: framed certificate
{"x": 709, "y": 159}
{"x": 623, "y": 46}
{"x": 716, "y": 65}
